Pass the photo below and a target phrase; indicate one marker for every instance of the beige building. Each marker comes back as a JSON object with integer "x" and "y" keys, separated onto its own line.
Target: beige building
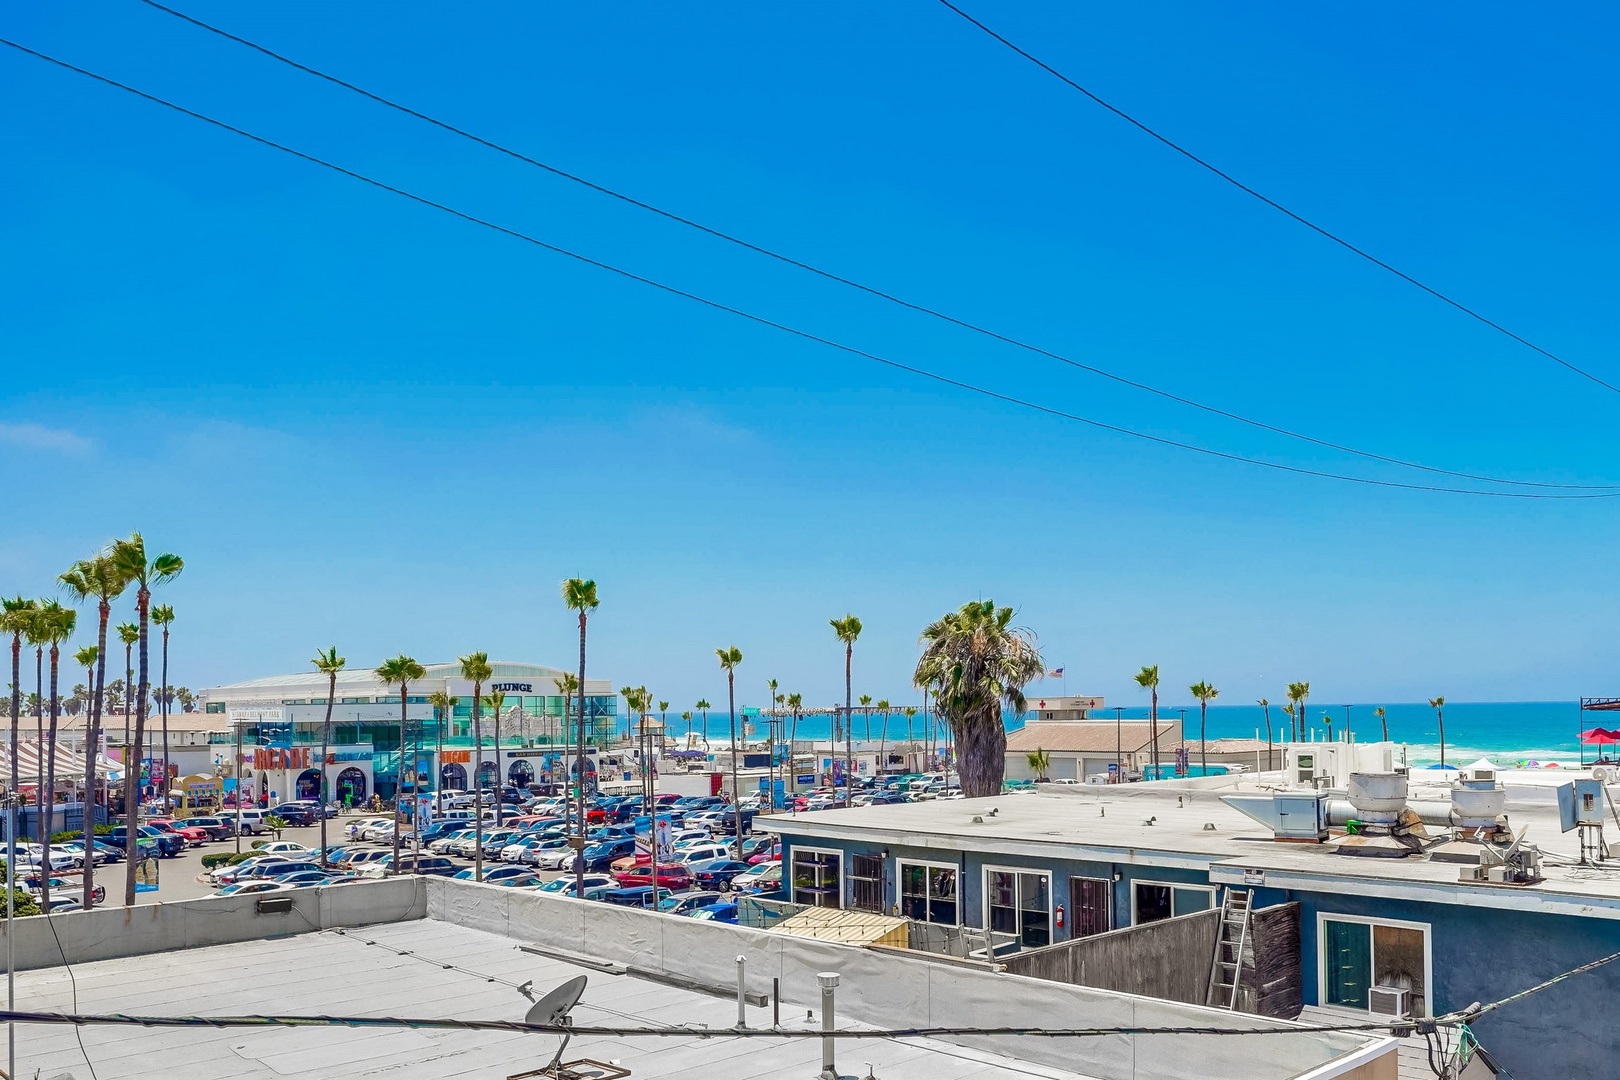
{"x": 1080, "y": 749}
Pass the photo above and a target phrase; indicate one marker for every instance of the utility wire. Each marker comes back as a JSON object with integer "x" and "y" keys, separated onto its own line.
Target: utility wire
{"x": 828, "y": 275}
{"x": 786, "y": 329}
{"x": 1473, "y": 1012}
{"x": 1279, "y": 207}
{"x": 653, "y": 1030}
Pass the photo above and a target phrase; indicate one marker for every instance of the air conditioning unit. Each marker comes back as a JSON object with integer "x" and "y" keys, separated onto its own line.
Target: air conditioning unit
{"x": 1389, "y": 1001}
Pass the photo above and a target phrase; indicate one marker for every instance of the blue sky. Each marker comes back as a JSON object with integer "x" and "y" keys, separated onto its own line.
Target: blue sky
{"x": 362, "y": 422}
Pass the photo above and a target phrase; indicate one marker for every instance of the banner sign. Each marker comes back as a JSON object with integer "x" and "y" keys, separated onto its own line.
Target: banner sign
{"x": 268, "y": 757}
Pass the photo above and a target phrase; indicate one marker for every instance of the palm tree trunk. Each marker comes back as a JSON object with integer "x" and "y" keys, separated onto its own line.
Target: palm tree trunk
{"x": 883, "y": 745}
{"x": 404, "y": 696}
{"x": 1268, "y": 738}
{"x": 48, "y": 825}
{"x": 981, "y": 762}
{"x": 579, "y": 765}
{"x": 500, "y": 776}
{"x": 1440, "y": 717}
{"x": 736, "y": 793}
{"x": 1203, "y": 743}
{"x": 163, "y": 712}
{"x": 132, "y": 805}
{"x": 438, "y": 760}
{"x": 39, "y": 738}
{"x": 92, "y": 746}
{"x": 478, "y": 784}
{"x": 1153, "y": 719}
{"x": 326, "y": 745}
{"x": 16, "y": 711}
{"x": 849, "y": 732}
{"x": 129, "y": 685}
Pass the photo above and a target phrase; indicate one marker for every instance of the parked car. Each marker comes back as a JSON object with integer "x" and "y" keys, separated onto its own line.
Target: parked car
{"x": 639, "y": 896}
{"x": 554, "y": 858}
{"x": 436, "y": 865}
{"x": 765, "y": 855}
{"x": 601, "y": 856}
{"x": 101, "y": 854}
{"x": 217, "y": 828}
{"x": 717, "y": 873}
{"x": 272, "y": 867}
{"x": 494, "y": 874}
{"x": 565, "y": 885}
{"x": 304, "y": 878}
{"x": 687, "y": 902}
{"x": 765, "y": 877}
{"x": 223, "y": 875}
{"x": 357, "y": 860}
{"x": 358, "y": 826}
{"x": 724, "y": 912}
{"x": 294, "y": 814}
{"x": 191, "y": 834}
{"x": 702, "y": 853}
{"x": 675, "y": 875}
{"x": 249, "y": 821}
{"x": 168, "y": 844}
{"x": 254, "y": 886}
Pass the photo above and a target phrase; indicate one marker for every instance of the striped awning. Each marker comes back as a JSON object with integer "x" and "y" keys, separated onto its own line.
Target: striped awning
{"x": 31, "y": 764}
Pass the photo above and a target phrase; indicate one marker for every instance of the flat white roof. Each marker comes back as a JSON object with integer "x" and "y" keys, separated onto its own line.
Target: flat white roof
{"x": 360, "y": 679}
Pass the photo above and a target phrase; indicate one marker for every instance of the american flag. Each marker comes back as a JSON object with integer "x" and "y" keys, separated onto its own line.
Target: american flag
{"x": 1055, "y": 673}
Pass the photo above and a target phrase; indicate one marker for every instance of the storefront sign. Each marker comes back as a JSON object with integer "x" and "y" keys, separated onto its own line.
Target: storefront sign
{"x": 266, "y": 757}
{"x": 456, "y": 757}
{"x": 513, "y": 687}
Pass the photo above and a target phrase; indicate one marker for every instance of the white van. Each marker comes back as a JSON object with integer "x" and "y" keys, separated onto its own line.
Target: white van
{"x": 454, "y": 815}
{"x": 250, "y": 822}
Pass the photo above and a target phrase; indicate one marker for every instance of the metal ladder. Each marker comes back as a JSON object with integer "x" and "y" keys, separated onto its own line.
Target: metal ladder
{"x": 1226, "y": 968}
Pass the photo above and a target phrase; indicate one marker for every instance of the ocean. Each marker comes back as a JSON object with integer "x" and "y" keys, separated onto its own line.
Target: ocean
{"x": 1506, "y": 731}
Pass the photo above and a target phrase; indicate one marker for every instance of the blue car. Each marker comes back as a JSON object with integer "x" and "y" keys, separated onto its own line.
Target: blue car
{"x": 496, "y": 874}
{"x": 638, "y": 896}
{"x": 601, "y": 856}
{"x": 725, "y": 911}
{"x": 688, "y": 902}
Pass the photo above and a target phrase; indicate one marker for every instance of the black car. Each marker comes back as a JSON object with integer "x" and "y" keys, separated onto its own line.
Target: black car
{"x": 601, "y": 856}
{"x": 293, "y": 814}
{"x": 169, "y": 844}
{"x": 437, "y": 865}
{"x": 717, "y": 873}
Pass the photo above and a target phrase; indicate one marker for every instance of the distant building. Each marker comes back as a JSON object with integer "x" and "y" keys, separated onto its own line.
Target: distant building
{"x": 1065, "y": 708}
{"x": 1078, "y": 749}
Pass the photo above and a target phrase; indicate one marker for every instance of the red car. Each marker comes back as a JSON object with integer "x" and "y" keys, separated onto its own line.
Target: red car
{"x": 190, "y": 833}
{"x": 672, "y": 875}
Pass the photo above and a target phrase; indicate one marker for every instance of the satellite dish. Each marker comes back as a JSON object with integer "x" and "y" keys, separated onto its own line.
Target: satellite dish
{"x": 552, "y": 1010}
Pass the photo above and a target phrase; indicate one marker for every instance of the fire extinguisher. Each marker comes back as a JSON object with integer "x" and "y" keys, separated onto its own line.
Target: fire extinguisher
{"x": 1060, "y": 916}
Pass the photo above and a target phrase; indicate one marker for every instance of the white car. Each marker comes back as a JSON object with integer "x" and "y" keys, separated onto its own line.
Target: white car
{"x": 764, "y": 877}
{"x": 249, "y": 821}
{"x": 381, "y": 834}
{"x": 700, "y": 852}
{"x": 557, "y": 858}
{"x": 443, "y": 844}
{"x": 359, "y": 825}
{"x": 284, "y": 847}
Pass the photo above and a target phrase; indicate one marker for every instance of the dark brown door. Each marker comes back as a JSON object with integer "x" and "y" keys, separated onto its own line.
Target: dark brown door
{"x": 1088, "y": 906}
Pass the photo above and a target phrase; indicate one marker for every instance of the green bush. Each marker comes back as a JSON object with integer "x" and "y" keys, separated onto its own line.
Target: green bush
{"x": 24, "y": 902}
{"x": 223, "y": 858}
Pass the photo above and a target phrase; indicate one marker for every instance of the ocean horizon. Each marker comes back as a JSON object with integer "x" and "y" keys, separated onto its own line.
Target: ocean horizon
{"x": 1505, "y": 731}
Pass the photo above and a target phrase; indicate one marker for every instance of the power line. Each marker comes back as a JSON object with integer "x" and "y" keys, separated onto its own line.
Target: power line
{"x": 828, "y": 275}
{"x": 1279, "y": 207}
{"x": 783, "y": 327}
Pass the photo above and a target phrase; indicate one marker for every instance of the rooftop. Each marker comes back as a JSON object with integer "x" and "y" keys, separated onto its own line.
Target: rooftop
{"x": 1184, "y": 824}
{"x": 1091, "y": 736}
{"x": 357, "y": 678}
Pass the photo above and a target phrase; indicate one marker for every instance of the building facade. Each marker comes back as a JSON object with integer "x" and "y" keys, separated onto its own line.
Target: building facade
{"x": 279, "y": 720}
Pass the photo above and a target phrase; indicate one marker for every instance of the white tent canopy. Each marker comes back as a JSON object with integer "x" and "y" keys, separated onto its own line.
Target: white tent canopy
{"x": 31, "y": 765}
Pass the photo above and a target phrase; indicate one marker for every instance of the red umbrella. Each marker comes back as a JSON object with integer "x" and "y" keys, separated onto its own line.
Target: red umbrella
{"x": 1600, "y": 736}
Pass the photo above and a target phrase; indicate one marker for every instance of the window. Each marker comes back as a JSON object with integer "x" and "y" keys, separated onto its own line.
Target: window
{"x": 1360, "y": 954}
{"x": 1155, "y": 900}
{"x": 1019, "y": 902}
{"x": 928, "y": 892}
{"x": 356, "y": 701}
{"x": 866, "y": 883}
{"x": 816, "y": 877}
{"x": 214, "y": 707}
{"x": 1089, "y": 906}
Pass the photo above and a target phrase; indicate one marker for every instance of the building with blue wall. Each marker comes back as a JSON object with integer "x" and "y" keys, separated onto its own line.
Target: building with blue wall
{"x": 1047, "y": 868}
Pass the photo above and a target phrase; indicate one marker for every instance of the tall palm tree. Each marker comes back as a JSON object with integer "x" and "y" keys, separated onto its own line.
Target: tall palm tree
{"x": 16, "y": 616}
{"x": 883, "y": 738}
{"x": 443, "y": 708}
{"x": 848, "y": 629}
{"x": 38, "y": 635}
{"x": 770, "y": 746}
{"x": 328, "y": 663}
{"x": 1439, "y": 706}
{"x": 1265, "y": 704}
{"x": 980, "y": 663}
{"x": 404, "y": 670}
{"x": 729, "y": 659}
{"x": 58, "y": 627}
{"x": 86, "y": 658}
{"x": 910, "y": 713}
{"x": 1297, "y": 693}
{"x": 163, "y": 615}
{"x": 130, "y": 635}
{"x": 99, "y": 577}
{"x": 580, "y": 595}
{"x": 663, "y": 732}
{"x": 1205, "y": 693}
{"x": 687, "y": 716}
{"x": 131, "y": 560}
{"x": 1383, "y": 721}
{"x": 703, "y": 707}
{"x": 496, "y": 702}
{"x": 476, "y": 670}
{"x": 1148, "y": 679}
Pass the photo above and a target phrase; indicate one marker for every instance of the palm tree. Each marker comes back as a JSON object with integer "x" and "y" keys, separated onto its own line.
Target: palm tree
{"x": 404, "y": 670}
{"x": 1382, "y": 720}
{"x": 476, "y": 670}
{"x": 16, "y": 616}
{"x": 795, "y": 705}
{"x": 1439, "y": 706}
{"x": 58, "y": 627}
{"x": 1039, "y": 761}
{"x": 848, "y": 629}
{"x": 979, "y": 664}
{"x": 328, "y": 663}
{"x": 687, "y": 716}
{"x": 663, "y": 733}
{"x": 883, "y": 738}
{"x": 1205, "y": 693}
{"x": 910, "y": 713}
{"x": 130, "y": 558}
{"x": 98, "y": 577}
{"x": 729, "y": 659}
{"x": 1265, "y": 704}
{"x": 129, "y": 634}
{"x": 163, "y": 615}
{"x": 496, "y": 701}
{"x": 770, "y": 745}
{"x": 37, "y": 634}
{"x": 443, "y": 707}
{"x": 580, "y": 595}
{"x": 703, "y": 707}
{"x": 1148, "y": 679}
{"x": 1297, "y": 693}
{"x": 1327, "y": 718}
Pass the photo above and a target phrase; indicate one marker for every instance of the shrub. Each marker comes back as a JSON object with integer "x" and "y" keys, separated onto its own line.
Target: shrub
{"x": 223, "y": 858}
{"x": 24, "y": 902}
